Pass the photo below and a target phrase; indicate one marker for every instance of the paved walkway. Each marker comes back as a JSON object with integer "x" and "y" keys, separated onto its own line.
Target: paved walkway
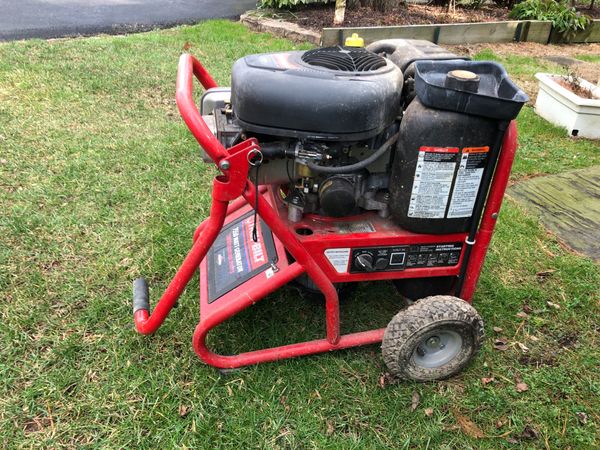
{"x": 23, "y": 19}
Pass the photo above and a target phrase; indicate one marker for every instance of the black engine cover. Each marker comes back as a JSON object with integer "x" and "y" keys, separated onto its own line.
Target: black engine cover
{"x": 333, "y": 93}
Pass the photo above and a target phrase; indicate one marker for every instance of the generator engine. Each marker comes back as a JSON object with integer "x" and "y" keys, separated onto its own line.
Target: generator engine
{"x": 330, "y": 125}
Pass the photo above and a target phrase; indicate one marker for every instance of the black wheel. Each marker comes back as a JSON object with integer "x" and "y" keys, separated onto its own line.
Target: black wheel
{"x": 432, "y": 339}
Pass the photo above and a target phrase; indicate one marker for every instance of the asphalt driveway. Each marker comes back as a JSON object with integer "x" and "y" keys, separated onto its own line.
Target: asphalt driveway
{"x": 23, "y": 19}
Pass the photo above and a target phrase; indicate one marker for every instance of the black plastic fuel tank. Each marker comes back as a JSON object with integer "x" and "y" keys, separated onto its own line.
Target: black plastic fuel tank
{"x": 450, "y": 136}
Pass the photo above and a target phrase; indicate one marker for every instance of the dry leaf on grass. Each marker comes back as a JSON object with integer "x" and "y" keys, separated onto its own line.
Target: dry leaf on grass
{"x": 523, "y": 315}
{"x": 330, "y": 429}
{"x": 416, "y": 398}
{"x": 542, "y": 275}
{"x": 385, "y": 379}
{"x": 429, "y": 412}
{"x": 521, "y": 387}
{"x": 523, "y": 347}
{"x": 497, "y": 330}
{"x": 467, "y": 426}
{"x": 501, "y": 422}
{"x": 486, "y": 380}
{"x": 530, "y": 433}
{"x": 583, "y": 418}
{"x": 553, "y": 305}
{"x": 184, "y": 410}
{"x": 501, "y": 344}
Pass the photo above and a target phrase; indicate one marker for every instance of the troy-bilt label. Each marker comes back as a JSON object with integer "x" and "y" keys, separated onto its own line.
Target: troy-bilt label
{"x": 235, "y": 258}
{"x": 470, "y": 170}
{"x": 338, "y": 257}
{"x": 433, "y": 178}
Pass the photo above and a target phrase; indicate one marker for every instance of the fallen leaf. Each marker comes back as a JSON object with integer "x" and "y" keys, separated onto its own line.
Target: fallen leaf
{"x": 467, "y": 426}
{"x": 527, "y": 309}
{"x": 521, "y": 387}
{"x": 3, "y": 161}
{"x": 184, "y": 410}
{"x": 497, "y": 329}
{"x": 534, "y": 338}
{"x": 486, "y": 381}
{"x": 330, "y": 429}
{"x": 385, "y": 379}
{"x": 542, "y": 275}
{"x": 529, "y": 433}
{"x": 523, "y": 347}
{"x": 523, "y": 315}
{"x": 501, "y": 344}
{"x": 415, "y": 400}
{"x": 553, "y": 305}
{"x": 512, "y": 440}
{"x": 501, "y": 422}
{"x": 582, "y": 417}
{"x": 186, "y": 46}
{"x": 429, "y": 412}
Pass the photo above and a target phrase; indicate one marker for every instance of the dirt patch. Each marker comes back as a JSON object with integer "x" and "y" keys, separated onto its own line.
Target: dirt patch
{"x": 318, "y": 17}
{"x": 538, "y": 360}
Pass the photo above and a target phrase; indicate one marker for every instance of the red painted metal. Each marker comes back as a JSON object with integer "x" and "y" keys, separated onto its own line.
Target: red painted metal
{"x": 148, "y": 324}
{"x": 306, "y": 251}
{"x": 490, "y": 214}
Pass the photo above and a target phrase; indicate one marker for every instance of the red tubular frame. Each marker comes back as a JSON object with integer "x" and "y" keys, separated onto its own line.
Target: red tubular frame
{"x": 233, "y": 186}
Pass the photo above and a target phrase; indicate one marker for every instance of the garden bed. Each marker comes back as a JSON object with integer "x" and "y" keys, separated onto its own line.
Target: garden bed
{"x": 319, "y": 17}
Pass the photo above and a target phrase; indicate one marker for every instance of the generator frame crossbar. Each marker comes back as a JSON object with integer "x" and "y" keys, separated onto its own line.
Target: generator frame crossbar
{"x": 233, "y": 191}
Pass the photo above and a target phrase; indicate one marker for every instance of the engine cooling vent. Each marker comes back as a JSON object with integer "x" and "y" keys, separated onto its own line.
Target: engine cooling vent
{"x": 344, "y": 59}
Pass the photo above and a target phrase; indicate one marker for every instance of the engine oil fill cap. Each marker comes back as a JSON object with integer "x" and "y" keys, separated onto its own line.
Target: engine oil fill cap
{"x": 462, "y": 80}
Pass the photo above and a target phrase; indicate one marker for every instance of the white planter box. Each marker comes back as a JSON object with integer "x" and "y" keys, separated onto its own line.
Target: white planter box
{"x": 580, "y": 116}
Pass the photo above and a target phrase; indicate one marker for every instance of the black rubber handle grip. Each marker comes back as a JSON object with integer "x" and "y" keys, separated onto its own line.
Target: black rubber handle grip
{"x": 140, "y": 295}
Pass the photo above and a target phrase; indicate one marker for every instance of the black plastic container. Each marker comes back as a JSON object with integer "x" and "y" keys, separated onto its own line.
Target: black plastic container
{"x": 497, "y": 96}
{"x": 450, "y": 138}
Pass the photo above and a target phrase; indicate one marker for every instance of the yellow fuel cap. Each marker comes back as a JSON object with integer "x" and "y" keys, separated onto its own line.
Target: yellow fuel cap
{"x": 354, "y": 41}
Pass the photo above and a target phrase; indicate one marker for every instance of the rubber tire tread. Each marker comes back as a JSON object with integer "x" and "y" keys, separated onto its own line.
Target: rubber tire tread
{"x": 402, "y": 335}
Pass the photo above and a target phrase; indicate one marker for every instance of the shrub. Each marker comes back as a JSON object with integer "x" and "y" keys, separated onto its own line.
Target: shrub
{"x": 564, "y": 18}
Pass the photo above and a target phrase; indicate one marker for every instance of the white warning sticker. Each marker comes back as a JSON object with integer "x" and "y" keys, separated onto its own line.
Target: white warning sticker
{"x": 338, "y": 257}
{"x": 470, "y": 170}
{"x": 433, "y": 178}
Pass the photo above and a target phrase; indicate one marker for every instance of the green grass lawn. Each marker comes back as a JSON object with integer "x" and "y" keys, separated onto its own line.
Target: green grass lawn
{"x": 100, "y": 182}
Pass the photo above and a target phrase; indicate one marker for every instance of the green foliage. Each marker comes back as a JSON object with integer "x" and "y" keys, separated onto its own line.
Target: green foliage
{"x": 288, "y": 3}
{"x": 566, "y": 19}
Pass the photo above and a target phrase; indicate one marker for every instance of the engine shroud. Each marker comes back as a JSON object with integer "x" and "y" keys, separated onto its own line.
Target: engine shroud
{"x": 332, "y": 93}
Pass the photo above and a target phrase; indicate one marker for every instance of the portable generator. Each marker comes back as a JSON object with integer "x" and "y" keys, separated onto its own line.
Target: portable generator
{"x": 347, "y": 164}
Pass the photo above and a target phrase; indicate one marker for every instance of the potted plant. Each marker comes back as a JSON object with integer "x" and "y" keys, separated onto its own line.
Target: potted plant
{"x": 570, "y": 102}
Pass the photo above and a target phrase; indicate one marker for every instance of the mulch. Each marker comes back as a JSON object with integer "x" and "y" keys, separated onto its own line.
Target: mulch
{"x": 317, "y": 17}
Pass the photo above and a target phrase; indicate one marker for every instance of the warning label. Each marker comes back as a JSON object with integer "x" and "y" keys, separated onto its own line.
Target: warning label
{"x": 338, "y": 257}
{"x": 235, "y": 258}
{"x": 433, "y": 178}
{"x": 470, "y": 170}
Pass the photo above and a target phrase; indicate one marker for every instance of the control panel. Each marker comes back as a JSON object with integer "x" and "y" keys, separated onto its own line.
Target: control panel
{"x": 388, "y": 259}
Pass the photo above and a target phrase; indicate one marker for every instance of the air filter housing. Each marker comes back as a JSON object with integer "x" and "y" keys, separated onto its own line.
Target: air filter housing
{"x": 332, "y": 93}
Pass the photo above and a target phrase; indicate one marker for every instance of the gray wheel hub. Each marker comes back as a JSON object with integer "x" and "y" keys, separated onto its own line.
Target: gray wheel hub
{"x": 437, "y": 348}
